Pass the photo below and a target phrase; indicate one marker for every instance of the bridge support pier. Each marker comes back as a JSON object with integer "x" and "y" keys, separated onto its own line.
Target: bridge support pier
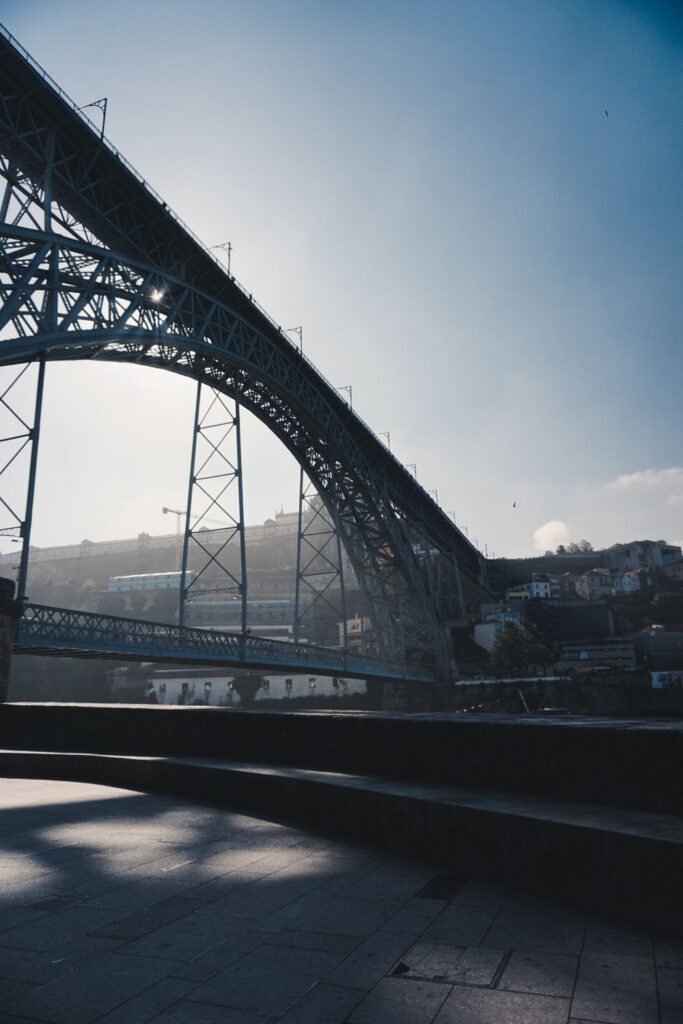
{"x": 10, "y": 612}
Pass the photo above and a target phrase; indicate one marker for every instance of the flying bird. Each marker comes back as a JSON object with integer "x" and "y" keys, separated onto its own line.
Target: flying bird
{"x": 514, "y": 504}
{"x": 606, "y": 114}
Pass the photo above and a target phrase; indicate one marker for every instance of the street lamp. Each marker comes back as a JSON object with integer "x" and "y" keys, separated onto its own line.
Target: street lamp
{"x": 348, "y": 387}
{"x": 226, "y": 247}
{"x": 385, "y": 433}
{"x": 299, "y": 331}
{"x": 102, "y": 106}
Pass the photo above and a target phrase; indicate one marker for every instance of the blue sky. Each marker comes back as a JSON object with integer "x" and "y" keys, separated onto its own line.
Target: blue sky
{"x": 434, "y": 192}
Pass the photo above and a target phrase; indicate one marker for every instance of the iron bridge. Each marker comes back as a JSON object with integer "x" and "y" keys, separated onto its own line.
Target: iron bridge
{"x": 67, "y": 633}
{"x": 95, "y": 266}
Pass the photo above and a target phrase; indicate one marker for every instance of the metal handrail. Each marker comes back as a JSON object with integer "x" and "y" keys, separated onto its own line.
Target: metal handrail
{"x": 45, "y": 622}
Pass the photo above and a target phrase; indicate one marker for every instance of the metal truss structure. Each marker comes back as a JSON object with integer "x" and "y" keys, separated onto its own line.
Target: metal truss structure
{"x": 67, "y": 633}
{"x": 94, "y": 265}
{"x": 18, "y": 440}
{"x": 214, "y": 530}
{"x": 320, "y": 592}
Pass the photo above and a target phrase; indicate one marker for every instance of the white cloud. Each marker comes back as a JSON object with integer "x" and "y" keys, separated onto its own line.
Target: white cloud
{"x": 671, "y": 478}
{"x": 548, "y": 536}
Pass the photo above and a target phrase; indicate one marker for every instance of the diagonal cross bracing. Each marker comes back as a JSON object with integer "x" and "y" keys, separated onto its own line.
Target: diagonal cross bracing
{"x": 93, "y": 265}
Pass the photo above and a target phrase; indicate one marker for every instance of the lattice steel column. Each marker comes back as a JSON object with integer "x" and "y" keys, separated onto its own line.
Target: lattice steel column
{"x": 13, "y": 445}
{"x": 319, "y": 563}
{"x": 214, "y": 552}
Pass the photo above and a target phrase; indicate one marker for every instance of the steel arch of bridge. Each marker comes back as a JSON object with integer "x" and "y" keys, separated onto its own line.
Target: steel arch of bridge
{"x": 93, "y": 265}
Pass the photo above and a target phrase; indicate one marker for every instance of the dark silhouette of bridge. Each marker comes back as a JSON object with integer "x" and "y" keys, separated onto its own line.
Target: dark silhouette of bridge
{"x": 94, "y": 265}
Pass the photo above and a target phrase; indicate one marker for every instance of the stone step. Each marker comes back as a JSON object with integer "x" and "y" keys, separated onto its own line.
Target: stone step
{"x": 618, "y": 762}
{"x": 623, "y": 861}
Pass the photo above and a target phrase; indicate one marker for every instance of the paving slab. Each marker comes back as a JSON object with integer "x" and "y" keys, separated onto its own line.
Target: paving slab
{"x": 269, "y": 980}
{"x": 324, "y": 1004}
{"x": 602, "y": 937}
{"x": 161, "y": 996}
{"x": 550, "y": 974}
{"x": 450, "y": 964}
{"x": 536, "y": 933}
{"x": 670, "y": 995}
{"x": 616, "y": 988}
{"x": 83, "y": 995}
{"x": 461, "y": 926}
{"x": 197, "y": 1013}
{"x": 411, "y": 1002}
{"x": 369, "y": 963}
{"x": 358, "y": 935}
{"x": 486, "y": 1006}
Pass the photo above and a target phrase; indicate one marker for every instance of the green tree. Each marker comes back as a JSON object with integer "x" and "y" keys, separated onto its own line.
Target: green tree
{"x": 509, "y": 648}
{"x": 247, "y": 685}
{"x": 522, "y": 647}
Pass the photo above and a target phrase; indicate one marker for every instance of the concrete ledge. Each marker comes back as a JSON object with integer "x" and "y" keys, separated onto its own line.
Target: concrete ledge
{"x": 624, "y": 862}
{"x": 623, "y": 762}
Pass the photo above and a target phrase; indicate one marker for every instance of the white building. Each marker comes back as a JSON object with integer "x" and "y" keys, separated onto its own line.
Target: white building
{"x": 146, "y": 581}
{"x": 485, "y": 633}
{"x": 216, "y": 688}
{"x": 632, "y": 581}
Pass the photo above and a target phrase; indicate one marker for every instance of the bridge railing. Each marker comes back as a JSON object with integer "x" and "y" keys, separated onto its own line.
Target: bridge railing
{"x": 43, "y": 626}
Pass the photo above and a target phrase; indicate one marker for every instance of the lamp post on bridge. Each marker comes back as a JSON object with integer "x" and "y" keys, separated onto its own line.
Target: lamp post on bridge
{"x": 299, "y": 331}
{"x": 349, "y": 388}
{"x": 226, "y": 247}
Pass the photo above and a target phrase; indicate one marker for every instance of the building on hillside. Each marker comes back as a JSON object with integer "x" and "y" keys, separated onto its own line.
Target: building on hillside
{"x": 673, "y": 570}
{"x": 570, "y": 619}
{"x": 639, "y": 554}
{"x": 485, "y": 632}
{"x": 658, "y": 649}
{"x": 606, "y": 654}
{"x": 632, "y": 581}
{"x": 284, "y": 524}
{"x": 594, "y": 584}
{"x": 215, "y": 687}
{"x": 273, "y": 618}
{"x": 541, "y": 586}
{"x": 360, "y": 636}
{"x": 145, "y": 581}
{"x": 567, "y": 585}
{"x": 667, "y": 680}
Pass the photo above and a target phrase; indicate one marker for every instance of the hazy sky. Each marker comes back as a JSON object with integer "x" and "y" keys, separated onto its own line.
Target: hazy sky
{"x": 433, "y": 190}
